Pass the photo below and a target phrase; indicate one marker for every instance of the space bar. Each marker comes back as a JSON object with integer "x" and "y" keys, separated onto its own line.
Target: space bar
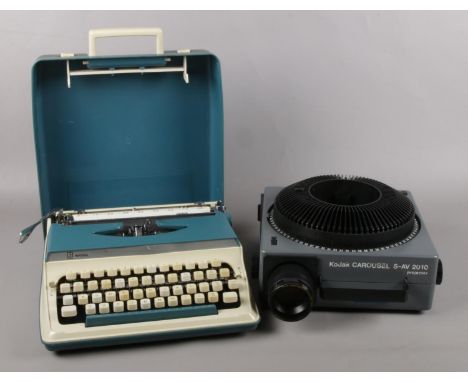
{"x": 150, "y": 315}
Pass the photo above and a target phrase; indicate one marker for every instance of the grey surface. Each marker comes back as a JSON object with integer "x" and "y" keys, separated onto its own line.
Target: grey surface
{"x": 377, "y": 94}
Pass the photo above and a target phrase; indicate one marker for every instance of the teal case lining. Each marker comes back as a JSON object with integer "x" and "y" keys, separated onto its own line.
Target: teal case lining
{"x": 128, "y": 139}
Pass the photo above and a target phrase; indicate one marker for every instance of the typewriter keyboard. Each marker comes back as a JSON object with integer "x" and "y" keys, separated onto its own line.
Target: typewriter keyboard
{"x": 146, "y": 293}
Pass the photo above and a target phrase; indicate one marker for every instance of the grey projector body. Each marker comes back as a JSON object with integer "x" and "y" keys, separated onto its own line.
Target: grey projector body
{"x": 400, "y": 277}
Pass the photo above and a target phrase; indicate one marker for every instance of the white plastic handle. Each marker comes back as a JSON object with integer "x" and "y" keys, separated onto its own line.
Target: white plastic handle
{"x": 125, "y": 32}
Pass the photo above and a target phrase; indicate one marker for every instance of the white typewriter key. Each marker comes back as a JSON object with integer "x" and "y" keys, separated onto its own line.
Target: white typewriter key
{"x": 124, "y": 295}
{"x": 71, "y": 276}
{"x": 69, "y": 311}
{"x": 85, "y": 275}
{"x": 98, "y": 273}
{"x": 164, "y": 291}
{"x": 151, "y": 269}
{"x": 145, "y": 304}
{"x": 159, "y": 302}
{"x": 229, "y": 297}
{"x": 82, "y": 299}
{"x": 138, "y": 270}
{"x": 177, "y": 290}
{"x": 204, "y": 287}
{"x": 191, "y": 288}
{"x": 217, "y": 286}
{"x": 119, "y": 283}
{"x": 90, "y": 309}
{"x": 146, "y": 280}
{"x": 132, "y": 305}
{"x": 67, "y": 299}
{"x": 65, "y": 288}
{"x": 138, "y": 294}
{"x": 164, "y": 268}
{"x": 224, "y": 272}
{"x": 111, "y": 296}
{"x": 190, "y": 266}
{"x": 125, "y": 271}
{"x": 185, "y": 276}
{"x": 203, "y": 264}
{"x": 106, "y": 284}
{"x": 186, "y": 299}
{"x": 177, "y": 267}
{"x": 234, "y": 284}
{"x": 78, "y": 286}
{"x": 172, "y": 278}
{"x": 216, "y": 263}
{"x": 104, "y": 308}
{"x": 118, "y": 306}
{"x": 211, "y": 274}
{"x": 198, "y": 275}
{"x": 199, "y": 298}
{"x": 150, "y": 292}
{"x": 172, "y": 301}
{"x": 96, "y": 298}
{"x": 112, "y": 272}
{"x": 213, "y": 297}
{"x": 159, "y": 279}
{"x": 92, "y": 285}
{"x": 133, "y": 282}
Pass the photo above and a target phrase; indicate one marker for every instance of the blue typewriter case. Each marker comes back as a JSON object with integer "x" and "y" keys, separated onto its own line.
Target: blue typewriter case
{"x": 134, "y": 133}
{"x": 142, "y": 138}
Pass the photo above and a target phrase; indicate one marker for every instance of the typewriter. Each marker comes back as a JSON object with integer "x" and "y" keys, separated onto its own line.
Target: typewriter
{"x": 138, "y": 245}
{"x": 123, "y": 275}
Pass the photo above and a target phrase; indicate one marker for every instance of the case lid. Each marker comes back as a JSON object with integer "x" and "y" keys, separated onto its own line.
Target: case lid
{"x": 128, "y": 130}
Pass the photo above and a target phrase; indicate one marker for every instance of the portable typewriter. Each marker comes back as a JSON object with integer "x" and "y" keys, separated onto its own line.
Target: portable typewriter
{"x": 138, "y": 245}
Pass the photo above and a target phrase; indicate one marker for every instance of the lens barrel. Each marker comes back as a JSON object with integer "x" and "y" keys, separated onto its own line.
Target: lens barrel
{"x": 290, "y": 292}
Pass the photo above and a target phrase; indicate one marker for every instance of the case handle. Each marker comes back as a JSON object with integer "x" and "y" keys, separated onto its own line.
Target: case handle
{"x": 125, "y": 32}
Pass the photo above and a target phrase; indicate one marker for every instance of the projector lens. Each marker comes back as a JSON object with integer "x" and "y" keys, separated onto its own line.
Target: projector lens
{"x": 290, "y": 292}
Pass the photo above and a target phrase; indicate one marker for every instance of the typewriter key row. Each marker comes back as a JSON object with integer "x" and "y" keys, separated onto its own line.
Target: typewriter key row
{"x": 139, "y": 270}
{"x": 133, "y": 282}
